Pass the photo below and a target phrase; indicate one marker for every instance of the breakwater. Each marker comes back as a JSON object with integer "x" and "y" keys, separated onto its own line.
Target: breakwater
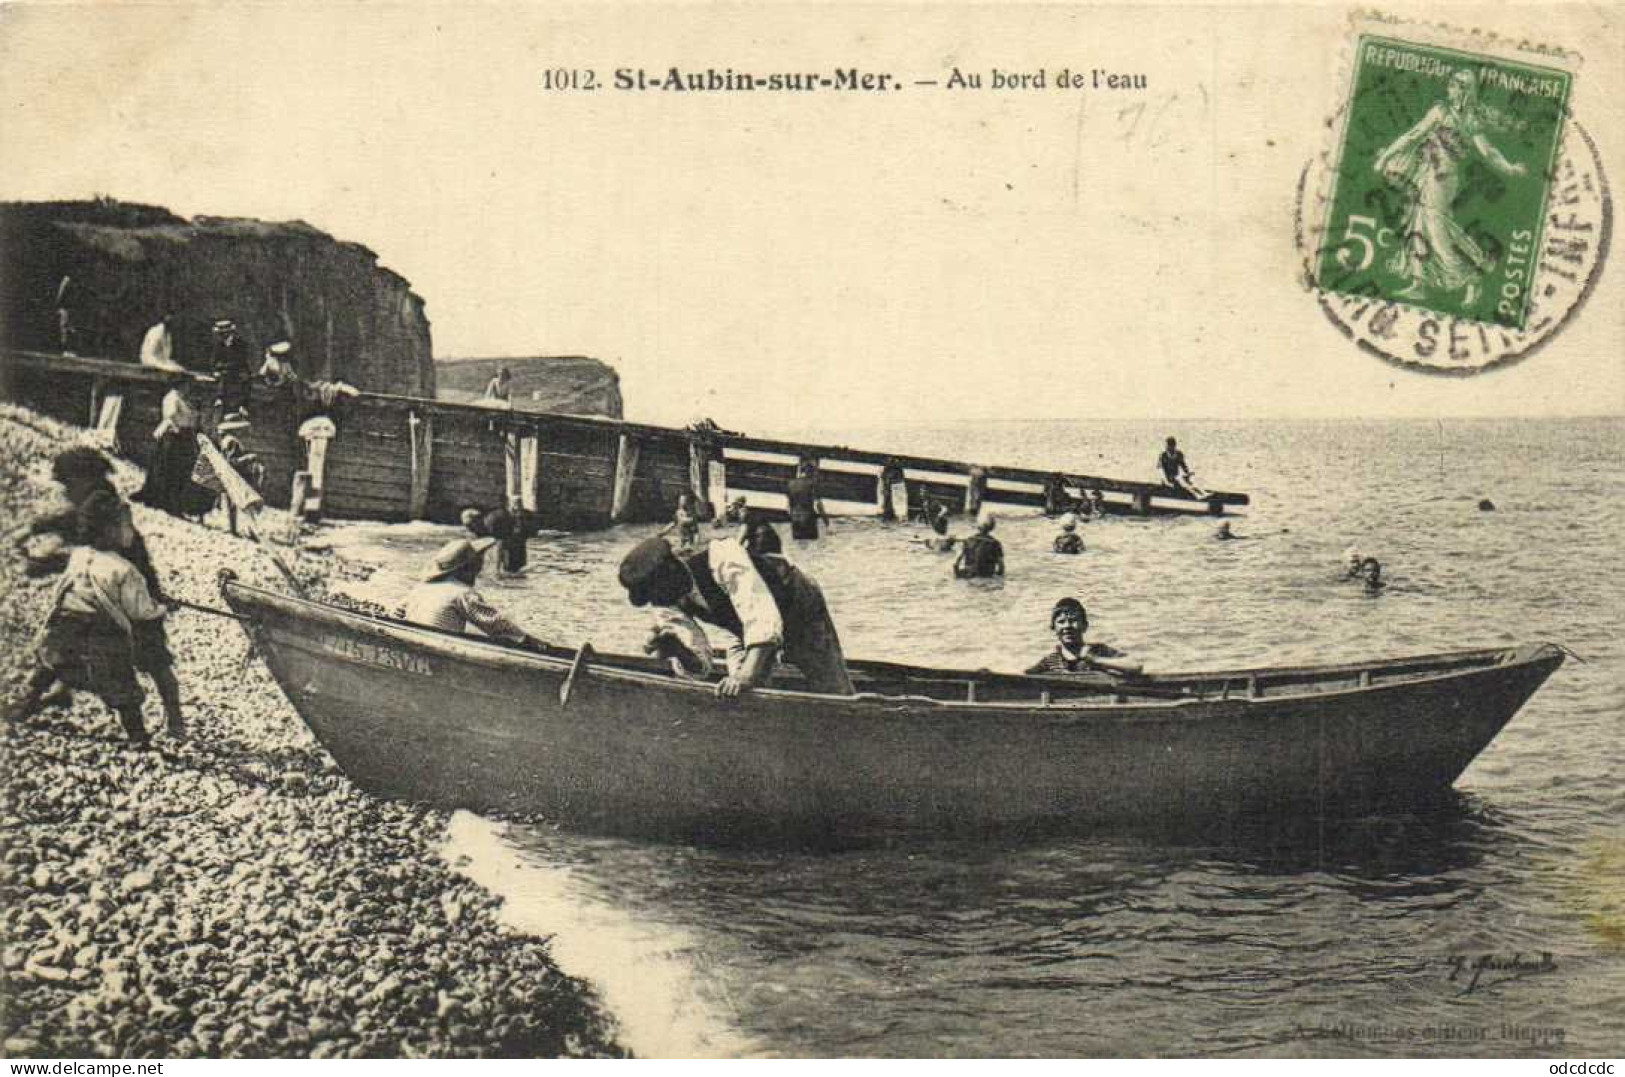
{"x": 406, "y": 458}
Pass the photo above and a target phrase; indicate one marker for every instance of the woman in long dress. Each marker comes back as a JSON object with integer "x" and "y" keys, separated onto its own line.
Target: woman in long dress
{"x": 174, "y": 454}
{"x": 1436, "y": 252}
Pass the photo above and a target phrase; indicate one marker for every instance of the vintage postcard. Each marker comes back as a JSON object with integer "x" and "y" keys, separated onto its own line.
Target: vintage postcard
{"x": 811, "y": 530}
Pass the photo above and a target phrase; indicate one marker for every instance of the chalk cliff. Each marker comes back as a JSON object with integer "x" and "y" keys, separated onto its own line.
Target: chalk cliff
{"x": 571, "y": 384}
{"x": 347, "y": 316}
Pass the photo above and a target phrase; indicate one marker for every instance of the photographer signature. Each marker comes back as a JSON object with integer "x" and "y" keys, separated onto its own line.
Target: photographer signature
{"x": 1471, "y": 969}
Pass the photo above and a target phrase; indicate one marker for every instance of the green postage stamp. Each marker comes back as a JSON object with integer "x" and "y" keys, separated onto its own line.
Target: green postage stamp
{"x": 1458, "y": 194}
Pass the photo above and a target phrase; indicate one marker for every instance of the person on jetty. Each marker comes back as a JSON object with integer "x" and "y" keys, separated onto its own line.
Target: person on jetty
{"x": 276, "y": 365}
{"x": 158, "y": 345}
{"x": 500, "y": 388}
{"x": 806, "y": 507}
{"x": 762, "y": 603}
{"x": 981, "y": 555}
{"x": 174, "y": 456}
{"x": 90, "y": 640}
{"x": 1175, "y": 471}
{"x": 1069, "y": 541}
{"x": 446, "y": 598}
{"x": 1371, "y": 573}
{"x": 67, "y": 330}
{"x": 1097, "y": 503}
{"x": 232, "y": 367}
{"x": 1072, "y": 654}
{"x": 82, "y": 472}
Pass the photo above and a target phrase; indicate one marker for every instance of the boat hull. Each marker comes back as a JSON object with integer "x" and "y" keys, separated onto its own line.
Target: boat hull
{"x": 417, "y": 715}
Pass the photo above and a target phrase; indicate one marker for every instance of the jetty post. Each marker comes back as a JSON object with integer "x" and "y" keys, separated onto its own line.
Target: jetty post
{"x": 513, "y": 480}
{"x": 530, "y": 472}
{"x": 626, "y": 466}
{"x": 975, "y": 490}
{"x": 702, "y": 451}
{"x": 317, "y": 432}
{"x": 421, "y": 429}
{"x": 890, "y": 478}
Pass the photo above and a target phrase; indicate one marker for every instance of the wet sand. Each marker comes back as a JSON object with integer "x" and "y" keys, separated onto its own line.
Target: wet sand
{"x": 231, "y": 894}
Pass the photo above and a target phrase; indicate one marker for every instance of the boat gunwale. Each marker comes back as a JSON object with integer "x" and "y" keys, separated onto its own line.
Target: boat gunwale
{"x": 1108, "y": 701}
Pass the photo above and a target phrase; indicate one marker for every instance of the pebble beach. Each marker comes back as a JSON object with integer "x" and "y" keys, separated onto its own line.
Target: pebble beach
{"x": 231, "y": 894}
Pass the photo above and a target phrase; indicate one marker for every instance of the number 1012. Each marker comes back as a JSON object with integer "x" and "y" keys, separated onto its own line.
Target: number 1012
{"x": 568, "y": 78}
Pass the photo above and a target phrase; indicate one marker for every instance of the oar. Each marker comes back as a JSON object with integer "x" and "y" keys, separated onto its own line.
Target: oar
{"x": 210, "y": 610}
{"x": 583, "y": 656}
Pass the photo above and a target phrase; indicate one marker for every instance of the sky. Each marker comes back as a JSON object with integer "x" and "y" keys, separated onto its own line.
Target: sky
{"x": 800, "y": 260}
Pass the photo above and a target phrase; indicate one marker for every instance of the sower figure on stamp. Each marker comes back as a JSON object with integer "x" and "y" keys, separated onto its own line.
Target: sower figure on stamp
{"x": 763, "y": 603}
{"x": 1427, "y": 162}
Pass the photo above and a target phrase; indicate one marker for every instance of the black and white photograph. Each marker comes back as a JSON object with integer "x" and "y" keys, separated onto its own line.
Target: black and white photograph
{"x": 811, "y": 530}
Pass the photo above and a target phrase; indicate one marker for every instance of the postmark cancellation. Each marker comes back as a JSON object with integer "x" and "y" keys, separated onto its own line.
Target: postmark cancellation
{"x": 1458, "y": 216}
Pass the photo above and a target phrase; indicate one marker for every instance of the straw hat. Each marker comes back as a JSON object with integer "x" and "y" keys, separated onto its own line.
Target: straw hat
{"x": 454, "y": 555}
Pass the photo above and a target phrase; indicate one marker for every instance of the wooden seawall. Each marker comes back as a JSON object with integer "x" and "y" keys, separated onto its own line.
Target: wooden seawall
{"x": 402, "y": 458}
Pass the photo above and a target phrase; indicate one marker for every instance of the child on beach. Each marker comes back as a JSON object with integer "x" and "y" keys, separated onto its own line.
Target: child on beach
{"x": 82, "y": 472}
{"x": 90, "y": 637}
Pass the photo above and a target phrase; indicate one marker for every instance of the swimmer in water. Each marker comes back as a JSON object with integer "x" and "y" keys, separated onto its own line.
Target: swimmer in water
{"x": 1371, "y": 572}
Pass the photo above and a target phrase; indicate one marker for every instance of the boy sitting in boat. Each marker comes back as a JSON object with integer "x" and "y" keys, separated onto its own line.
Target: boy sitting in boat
{"x": 446, "y": 597}
{"x": 90, "y": 641}
{"x": 763, "y": 603}
{"x": 1071, "y": 654}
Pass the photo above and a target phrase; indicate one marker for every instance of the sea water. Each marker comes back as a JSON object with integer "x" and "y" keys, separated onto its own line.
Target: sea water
{"x": 1494, "y": 925}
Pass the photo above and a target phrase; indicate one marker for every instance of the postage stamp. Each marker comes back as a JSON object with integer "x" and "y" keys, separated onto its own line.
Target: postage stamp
{"x": 1461, "y": 213}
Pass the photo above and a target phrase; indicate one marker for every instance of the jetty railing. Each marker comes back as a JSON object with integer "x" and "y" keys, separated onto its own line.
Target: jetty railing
{"x": 391, "y": 457}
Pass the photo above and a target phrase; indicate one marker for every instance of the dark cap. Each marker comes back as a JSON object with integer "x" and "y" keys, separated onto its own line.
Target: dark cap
{"x": 80, "y": 462}
{"x": 1068, "y": 603}
{"x": 100, "y": 509}
{"x": 650, "y": 572}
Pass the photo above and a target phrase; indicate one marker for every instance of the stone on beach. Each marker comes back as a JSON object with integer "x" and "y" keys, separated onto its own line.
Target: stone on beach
{"x": 231, "y": 894}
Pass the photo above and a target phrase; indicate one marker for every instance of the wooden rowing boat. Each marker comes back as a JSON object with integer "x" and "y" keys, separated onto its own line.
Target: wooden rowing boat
{"x": 458, "y": 721}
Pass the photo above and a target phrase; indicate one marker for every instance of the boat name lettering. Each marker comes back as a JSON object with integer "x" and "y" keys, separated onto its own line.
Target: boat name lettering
{"x": 376, "y": 655}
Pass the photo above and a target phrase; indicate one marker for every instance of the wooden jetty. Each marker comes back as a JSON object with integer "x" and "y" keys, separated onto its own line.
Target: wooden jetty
{"x": 406, "y": 458}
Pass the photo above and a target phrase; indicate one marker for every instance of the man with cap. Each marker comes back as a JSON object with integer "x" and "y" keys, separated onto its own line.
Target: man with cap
{"x": 446, "y": 597}
{"x": 231, "y": 366}
{"x": 245, "y": 463}
{"x": 276, "y": 368}
{"x": 1070, "y": 621}
{"x": 762, "y": 602}
{"x": 981, "y": 555}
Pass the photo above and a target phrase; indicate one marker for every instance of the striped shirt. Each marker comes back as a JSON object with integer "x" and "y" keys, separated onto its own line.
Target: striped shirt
{"x": 453, "y": 605}
{"x": 1060, "y": 661}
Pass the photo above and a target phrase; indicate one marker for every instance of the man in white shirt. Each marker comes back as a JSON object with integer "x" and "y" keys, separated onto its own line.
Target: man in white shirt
{"x": 158, "y": 346}
{"x": 763, "y": 603}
